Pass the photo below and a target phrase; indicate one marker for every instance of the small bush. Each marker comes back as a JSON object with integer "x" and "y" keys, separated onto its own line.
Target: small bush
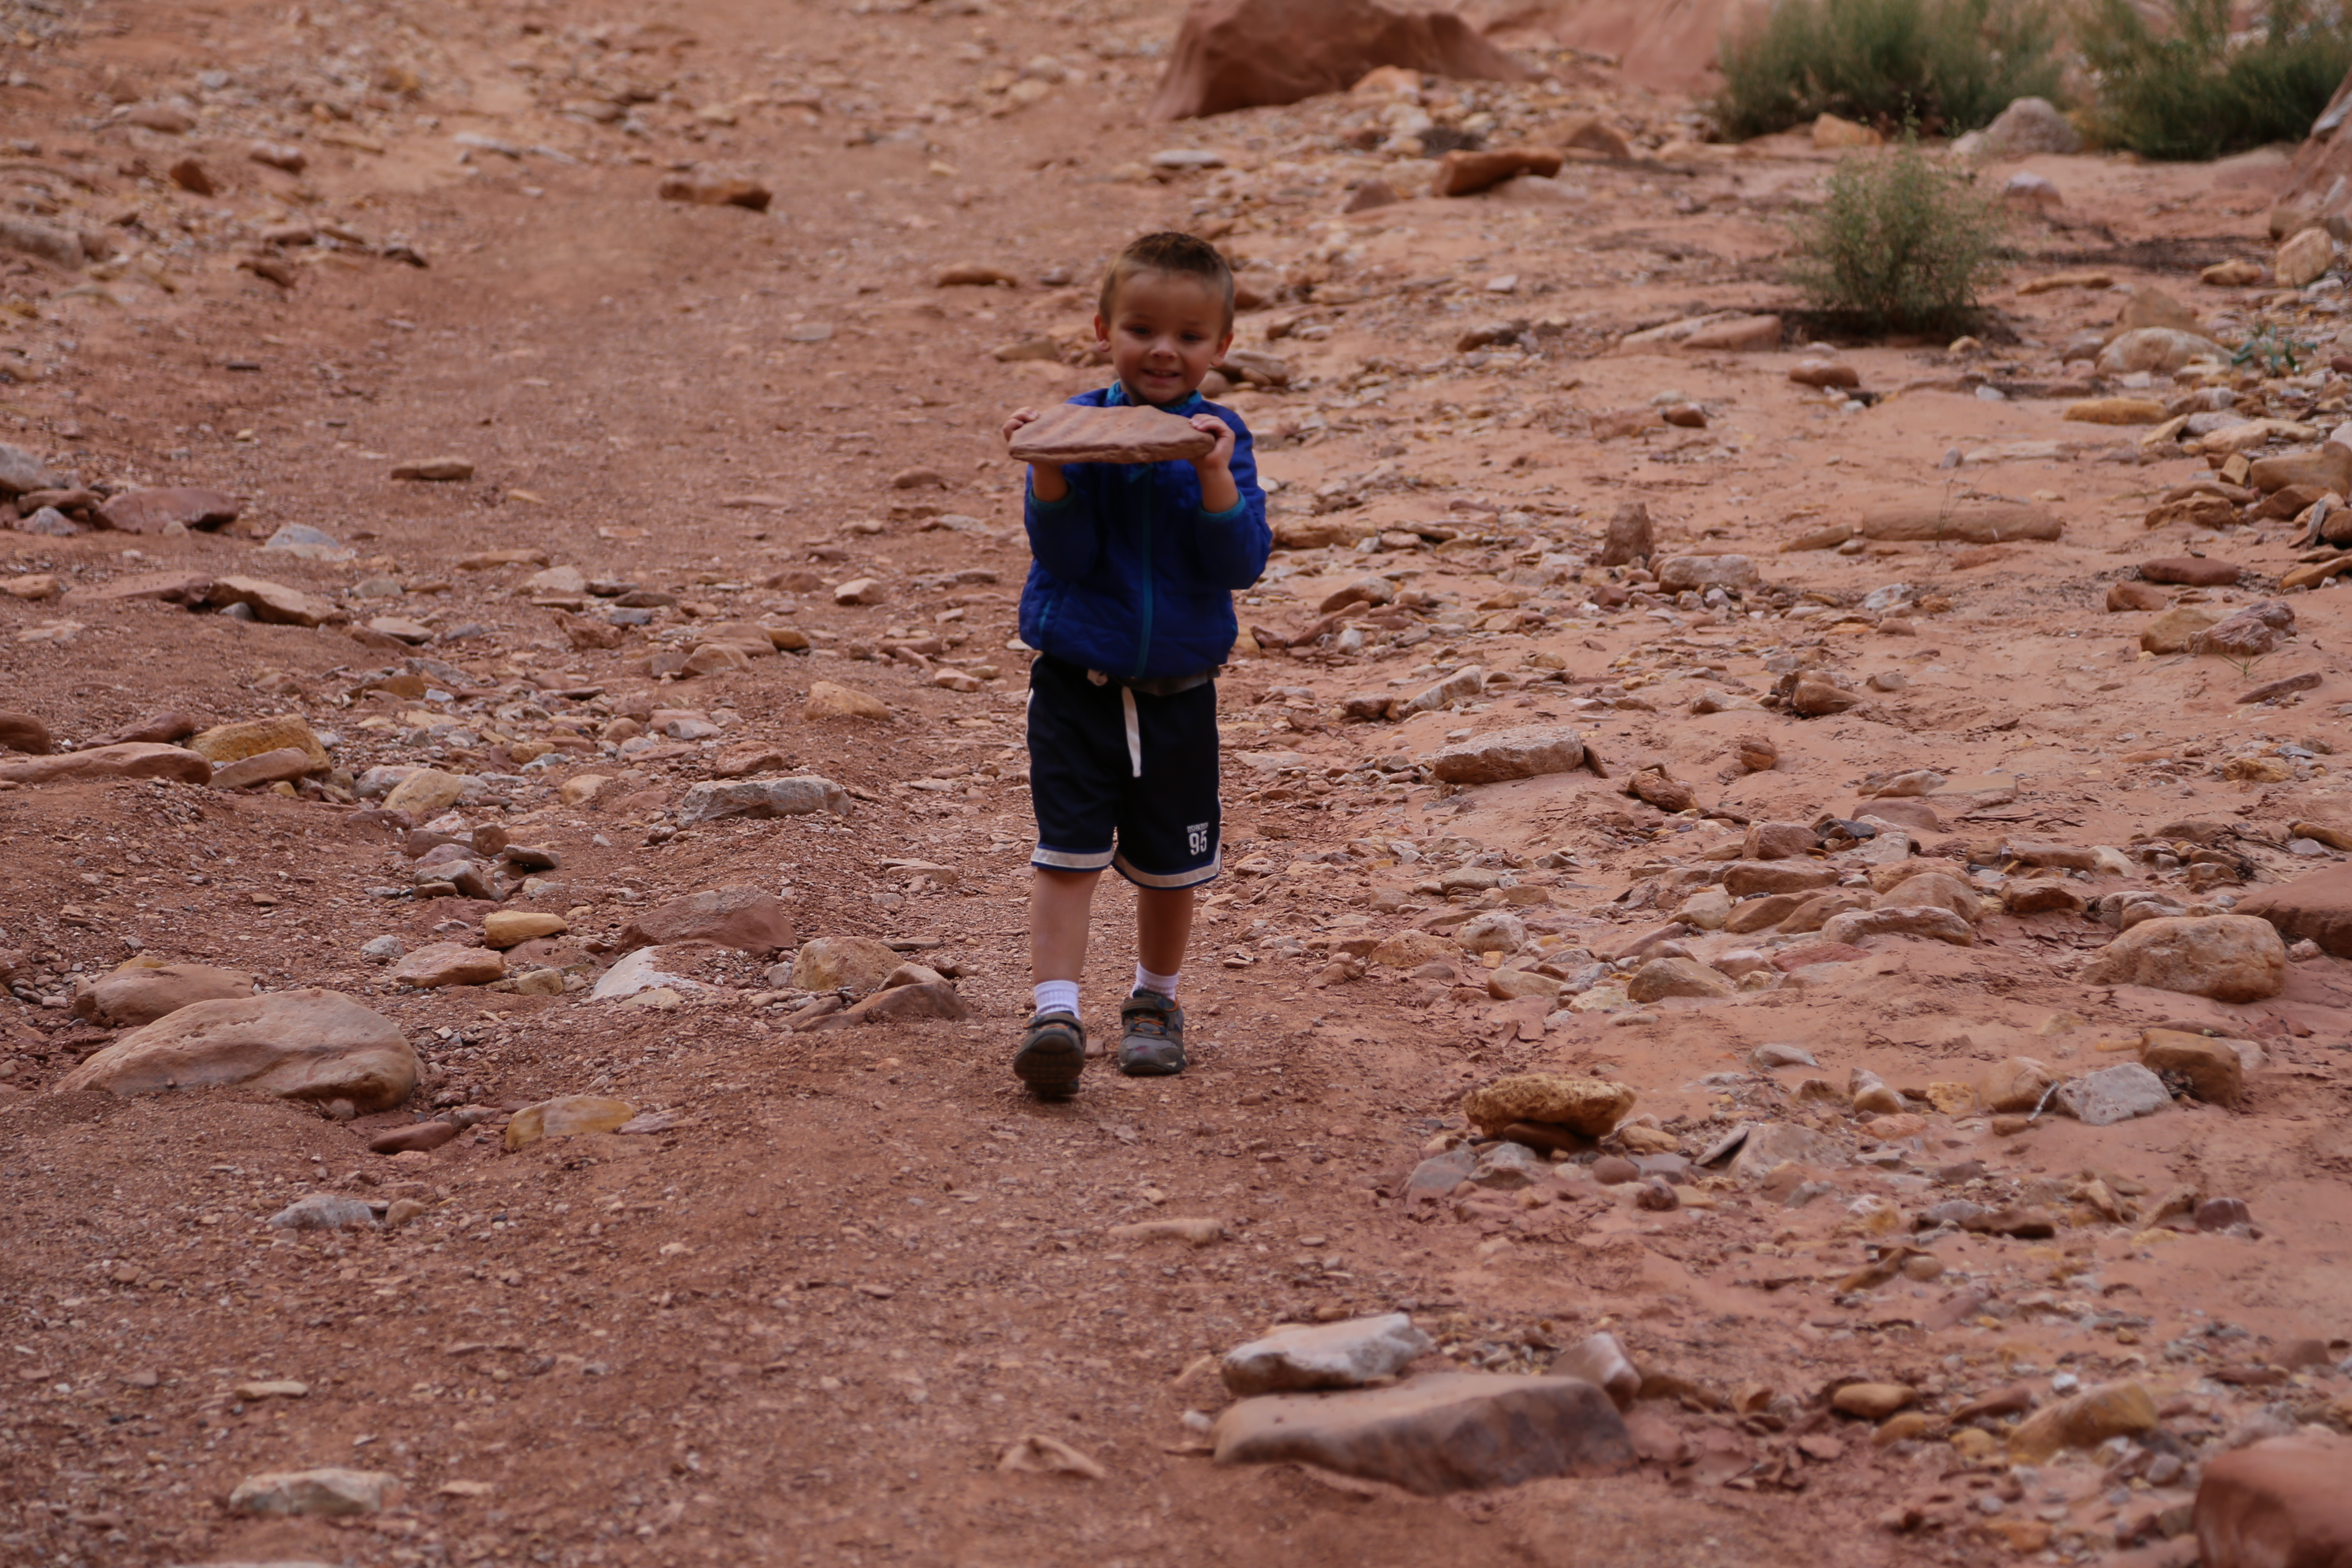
{"x": 1901, "y": 243}
{"x": 2193, "y": 91}
{"x": 1941, "y": 65}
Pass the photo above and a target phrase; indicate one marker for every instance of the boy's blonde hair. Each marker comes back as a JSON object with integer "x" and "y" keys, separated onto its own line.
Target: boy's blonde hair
{"x": 1168, "y": 251}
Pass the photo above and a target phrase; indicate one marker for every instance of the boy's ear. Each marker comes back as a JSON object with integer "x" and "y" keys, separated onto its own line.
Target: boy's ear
{"x": 1102, "y": 332}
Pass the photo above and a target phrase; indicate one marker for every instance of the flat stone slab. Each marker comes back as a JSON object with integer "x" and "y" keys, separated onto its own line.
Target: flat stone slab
{"x": 1447, "y": 1432}
{"x": 1076, "y": 433}
{"x": 1523, "y": 753}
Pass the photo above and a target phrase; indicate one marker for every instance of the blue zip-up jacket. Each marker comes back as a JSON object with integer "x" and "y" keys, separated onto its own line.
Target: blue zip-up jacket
{"x": 1130, "y": 576}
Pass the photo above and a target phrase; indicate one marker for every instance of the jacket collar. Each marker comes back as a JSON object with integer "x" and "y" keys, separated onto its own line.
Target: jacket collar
{"x": 1190, "y": 404}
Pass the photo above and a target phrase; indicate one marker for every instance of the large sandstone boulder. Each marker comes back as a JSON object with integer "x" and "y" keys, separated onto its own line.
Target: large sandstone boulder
{"x": 1240, "y": 54}
{"x": 140, "y": 994}
{"x": 1445, "y": 1433}
{"x": 130, "y": 761}
{"x": 2230, "y": 958}
{"x": 742, "y": 918}
{"x": 2280, "y": 1502}
{"x": 308, "y": 1045}
{"x": 2317, "y": 908}
{"x": 1522, "y": 753}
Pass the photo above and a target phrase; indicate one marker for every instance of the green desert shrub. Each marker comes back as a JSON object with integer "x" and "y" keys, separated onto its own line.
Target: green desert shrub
{"x": 1946, "y": 66}
{"x": 2189, "y": 88}
{"x": 1903, "y": 244}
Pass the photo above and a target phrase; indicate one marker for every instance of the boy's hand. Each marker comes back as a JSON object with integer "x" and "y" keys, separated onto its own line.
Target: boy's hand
{"x": 1220, "y": 456}
{"x": 1046, "y": 479}
{"x": 1218, "y": 491}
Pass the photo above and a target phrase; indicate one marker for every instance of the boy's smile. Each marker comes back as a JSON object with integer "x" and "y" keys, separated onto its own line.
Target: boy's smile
{"x": 1166, "y": 330}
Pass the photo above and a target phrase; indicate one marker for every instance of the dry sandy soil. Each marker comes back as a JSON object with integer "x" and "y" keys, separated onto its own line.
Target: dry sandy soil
{"x": 802, "y": 1324}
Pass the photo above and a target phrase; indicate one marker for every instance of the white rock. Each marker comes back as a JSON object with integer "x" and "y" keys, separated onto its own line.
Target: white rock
{"x": 2114, "y": 1094}
{"x": 1331, "y": 1355}
{"x": 639, "y": 971}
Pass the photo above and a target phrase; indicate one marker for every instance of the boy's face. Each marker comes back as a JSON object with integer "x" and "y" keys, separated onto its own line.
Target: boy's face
{"x": 1166, "y": 330}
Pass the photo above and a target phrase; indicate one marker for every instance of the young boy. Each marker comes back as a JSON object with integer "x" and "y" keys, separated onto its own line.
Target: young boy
{"x": 1130, "y": 604}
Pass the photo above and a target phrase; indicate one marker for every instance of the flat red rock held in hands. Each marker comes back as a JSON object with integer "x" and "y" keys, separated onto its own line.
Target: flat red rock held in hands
{"x": 1076, "y": 433}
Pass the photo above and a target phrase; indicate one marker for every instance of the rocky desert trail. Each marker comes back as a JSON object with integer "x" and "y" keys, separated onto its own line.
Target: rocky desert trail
{"x": 1780, "y": 990}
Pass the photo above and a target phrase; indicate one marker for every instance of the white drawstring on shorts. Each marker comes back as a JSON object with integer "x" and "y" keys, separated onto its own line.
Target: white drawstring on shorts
{"x": 1134, "y": 729}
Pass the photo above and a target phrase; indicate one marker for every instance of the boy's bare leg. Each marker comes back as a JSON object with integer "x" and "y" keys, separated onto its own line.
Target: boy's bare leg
{"x": 1060, "y": 903}
{"x": 1163, "y": 928}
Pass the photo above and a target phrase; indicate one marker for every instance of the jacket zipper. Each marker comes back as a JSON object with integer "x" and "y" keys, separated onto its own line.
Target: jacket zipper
{"x": 1143, "y": 639}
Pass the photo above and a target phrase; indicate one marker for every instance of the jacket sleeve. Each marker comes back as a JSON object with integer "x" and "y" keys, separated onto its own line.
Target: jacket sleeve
{"x": 1065, "y": 535}
{"x": 1232, "y": 545}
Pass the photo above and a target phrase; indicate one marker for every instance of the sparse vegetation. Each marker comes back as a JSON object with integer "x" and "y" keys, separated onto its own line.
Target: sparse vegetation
{"x": 2191, "y": 89}
{"x": 2272, "y": 351}
{"x": 1945, "y": 65}
{"x": 1901, "y": 243}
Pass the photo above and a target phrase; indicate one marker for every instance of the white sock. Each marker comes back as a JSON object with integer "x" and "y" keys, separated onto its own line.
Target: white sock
{"x": 1057, "y": 996}
{"x": 1163, "y": 984}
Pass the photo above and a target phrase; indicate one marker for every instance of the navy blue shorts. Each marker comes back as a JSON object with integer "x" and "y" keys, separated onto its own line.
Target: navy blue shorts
{"x": 1122, "y": 778}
